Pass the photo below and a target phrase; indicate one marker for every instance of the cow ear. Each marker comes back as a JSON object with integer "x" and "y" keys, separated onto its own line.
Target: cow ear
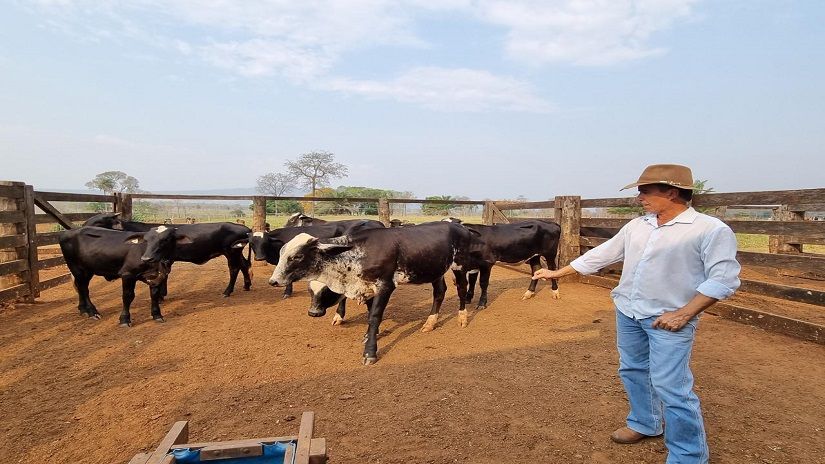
{"x": 183, "y": 239}
{"x": 134, "y": 238}
{"x": 332, "y": 249}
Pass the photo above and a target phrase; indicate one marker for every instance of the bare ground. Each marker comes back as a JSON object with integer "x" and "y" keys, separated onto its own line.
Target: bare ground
{"x": 526, "y": 381}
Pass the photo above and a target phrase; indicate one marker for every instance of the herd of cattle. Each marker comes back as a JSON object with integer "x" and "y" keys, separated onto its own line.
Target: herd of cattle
{"x": 354, "y": 259}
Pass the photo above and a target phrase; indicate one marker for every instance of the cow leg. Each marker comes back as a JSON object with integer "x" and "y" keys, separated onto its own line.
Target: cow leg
{"x": 379, "y": 303}
{"x": 535, "y": 265}
{"x": 128, "y": 297}
{"x": 246, "y": 270}
{"x": 163, "y": 288}
{"x": 155, "y": 293}
{"x": 472, "y": 276}
{"x": 439, "y": 290}
{"x": 287, "y": 291}
{"x": 461, "y": 289}
{"x": 338, "y": 319}
{"x": 233, "y": 259}
{"x": 483, "y": 282}
{"x": 84, "y": 303}
{"x": 554, "y": 283}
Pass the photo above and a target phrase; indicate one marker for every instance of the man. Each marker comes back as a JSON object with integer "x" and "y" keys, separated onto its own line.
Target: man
{"x": 677, "y": 263}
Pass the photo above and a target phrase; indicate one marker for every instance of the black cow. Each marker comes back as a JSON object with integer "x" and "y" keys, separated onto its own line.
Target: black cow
{"x": 527, "y": 240}
{"x": 114, "y": 254}
{"x": 208, "y": 240}
{"x": 267, "y": 245}
{"x": 302, "y": 220}
{"x": 368, "y": 265}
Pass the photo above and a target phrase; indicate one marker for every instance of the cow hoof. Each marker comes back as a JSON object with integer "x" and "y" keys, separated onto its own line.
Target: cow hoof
{"x": 462, "y": 318}
{"x": 427, "y": 328}
{"x": 337, "y": 320}
{"x": 481, "y": 307}
{"x": 468, "y": 298}
{"x": 125, "y": 324}
{"x": 160, "y": 319}
{"x": 370, "y": 360}
{"x": 286, "y": 296}
{"x": 246, "y": 289}
{"x": 527, "y": 295}
{"x": 227, "y": 295}
{"x": 556, "y": 295}
{"x": 94, "y": 316}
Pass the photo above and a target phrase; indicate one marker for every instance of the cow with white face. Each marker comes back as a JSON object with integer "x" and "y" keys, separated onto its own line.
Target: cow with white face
{"x": 368, "y": 265}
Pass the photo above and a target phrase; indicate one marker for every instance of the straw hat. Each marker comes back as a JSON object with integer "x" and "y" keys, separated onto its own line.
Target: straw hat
{"x": 669, "y": 174}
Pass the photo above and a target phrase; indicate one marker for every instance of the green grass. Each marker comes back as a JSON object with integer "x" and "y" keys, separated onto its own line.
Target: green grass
{"x": 759, "y": 243}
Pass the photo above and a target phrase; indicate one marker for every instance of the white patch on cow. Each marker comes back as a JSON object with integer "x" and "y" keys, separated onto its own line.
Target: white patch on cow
{"x": 258, "y": 234}
{"x": 343, "y": 274}
{"x": 161, "y": 229}
{"x": 474, "y": 271}
{"x": 429, "y": 325}
{"x": 295, "y": 215}
{"x": 316, "y": 286}
{"x": 455, "y": 267}
{"x": 134, "y": 240}
{"x": 401, "y": 277}
{"x": 239, "y": 245}
{"x": 295, "y": 244}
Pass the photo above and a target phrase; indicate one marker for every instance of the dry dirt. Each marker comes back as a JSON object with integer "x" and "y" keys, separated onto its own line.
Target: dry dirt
{"x": 526, "y": 381}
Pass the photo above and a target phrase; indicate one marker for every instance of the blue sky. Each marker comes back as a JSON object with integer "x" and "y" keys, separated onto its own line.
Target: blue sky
{"x": 485, "y": 99}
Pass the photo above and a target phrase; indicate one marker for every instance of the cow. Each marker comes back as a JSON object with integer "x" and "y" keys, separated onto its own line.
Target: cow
{"x": 267, "y": 245}
{"x": 207, "y": 241}
{"x": 527, "y": 240}
{"x": 114, "y": 254}
{"x": 368, "y": 265}
{"x": 302, "y": 220}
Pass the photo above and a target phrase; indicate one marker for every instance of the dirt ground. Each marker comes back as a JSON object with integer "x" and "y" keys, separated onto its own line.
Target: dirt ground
{"x": 526, "y": 381}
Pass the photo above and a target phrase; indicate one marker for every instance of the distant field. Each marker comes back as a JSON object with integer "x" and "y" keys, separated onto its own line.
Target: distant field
{"x": 759, "y": 243}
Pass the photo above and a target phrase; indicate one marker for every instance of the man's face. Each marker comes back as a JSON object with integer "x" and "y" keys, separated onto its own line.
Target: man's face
{"x": 653, "y": 199}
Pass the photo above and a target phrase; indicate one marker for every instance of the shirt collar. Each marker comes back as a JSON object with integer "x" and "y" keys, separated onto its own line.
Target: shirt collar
{"x": 685, "y": 217}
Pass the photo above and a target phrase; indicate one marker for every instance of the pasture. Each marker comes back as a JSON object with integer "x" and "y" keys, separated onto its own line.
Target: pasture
{"x": 531, "y": 381}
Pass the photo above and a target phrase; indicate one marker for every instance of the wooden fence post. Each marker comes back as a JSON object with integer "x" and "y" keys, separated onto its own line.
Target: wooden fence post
{"x": 12, "y": 228}
{"x": 258, "y": 214}
{"x": 126, "y": 207}
{"x": 384, "y": 211}
{"x": 487, "y": 214}
{"x": 568, "y": 215}
{"x": 779, "y": 243}
{"x": 31, "y": 238}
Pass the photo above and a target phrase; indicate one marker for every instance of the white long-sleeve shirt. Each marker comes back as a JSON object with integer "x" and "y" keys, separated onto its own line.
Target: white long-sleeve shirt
{"x": 665, "y": 266}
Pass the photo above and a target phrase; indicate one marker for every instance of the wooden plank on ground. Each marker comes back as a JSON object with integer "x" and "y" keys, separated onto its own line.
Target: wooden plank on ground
{"x": 140, "y": 458}
{"x": 55, "y": 281}
{"x": 801, "y": 295}
{"x": 247, "y": 442}
{"x": 805, "y": 263}
{"x": 318, "y": 451}
{"x": 12, "y": 241}
{"x": 771, "y": 322}
{"x": 179, "y": 433}
{"x": 304, "y": 438}
{"x": 229, "y": 450}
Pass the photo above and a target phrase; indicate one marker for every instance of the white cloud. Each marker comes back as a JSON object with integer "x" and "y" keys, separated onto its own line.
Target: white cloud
{"x": 448, "y": 90}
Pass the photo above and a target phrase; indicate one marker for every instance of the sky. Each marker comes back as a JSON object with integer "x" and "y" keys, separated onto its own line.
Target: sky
{"x": 488, "y": 99}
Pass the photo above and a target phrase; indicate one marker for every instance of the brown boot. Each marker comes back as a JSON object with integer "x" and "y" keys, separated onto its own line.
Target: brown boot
{"x": 628, "y": 436}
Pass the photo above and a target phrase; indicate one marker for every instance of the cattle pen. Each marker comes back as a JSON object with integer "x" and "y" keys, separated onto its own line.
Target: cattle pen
{"x": 525, "y": 381}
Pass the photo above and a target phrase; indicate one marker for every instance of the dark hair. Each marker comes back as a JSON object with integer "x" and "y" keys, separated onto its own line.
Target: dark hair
{"x": 684, "y": 194}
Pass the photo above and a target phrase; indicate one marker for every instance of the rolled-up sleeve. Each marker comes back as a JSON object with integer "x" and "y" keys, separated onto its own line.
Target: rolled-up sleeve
{"x": 721, "y": 267}
{"x": 609, "y": 252}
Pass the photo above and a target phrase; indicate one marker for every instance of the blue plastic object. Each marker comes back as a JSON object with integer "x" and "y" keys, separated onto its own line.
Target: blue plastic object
{"x": 272, "y": 454}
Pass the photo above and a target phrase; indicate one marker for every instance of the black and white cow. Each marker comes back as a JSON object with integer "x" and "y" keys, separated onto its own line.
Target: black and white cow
{"x": 113, "y": 254}
{"x": 368, "y": 265}
{"x": 527, "y": 240}
{"x": 267, "y": 245}
{"x": 207, "y": 241}
{"x": 302, "y": 220}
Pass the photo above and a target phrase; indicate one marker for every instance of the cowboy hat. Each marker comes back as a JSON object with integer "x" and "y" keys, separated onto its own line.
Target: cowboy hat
{"x": 670, "y": 174}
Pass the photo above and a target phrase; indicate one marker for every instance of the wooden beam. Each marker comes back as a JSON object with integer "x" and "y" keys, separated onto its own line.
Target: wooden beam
{"x": 14, "y": 267}
{"x": 506, "y": 205}
{"x": 179, "y": 433}
{"x": 802, "y": 295}
{"x": 45, "y": 206}
{"x": 12, "y": 217}
{"x": 81, "y": 197}
{"x": 13, "y": 241}
{"x": 48, "y": 238}
{"x": 804, "y": 263}
{"x": 72, "y": 217}
{"x": 304, "y": 438}
{"x": 607, "y": 223}
{"x": 568, "y": 212}
{"x": 18, "y": 291}
{"x": 12, "y": 190}
{"x": 813, "y": 229}
{"x": 55, "y": 281}
{"x": 777, "y": 197}
{"x": 230, "y": 450}
{"x": 771, "y": 322}
{"x": 258, "y": 214}
{"x": 31, "y": 242}
{"x": 51, "y": 262}
{"x": 609, "y": 202}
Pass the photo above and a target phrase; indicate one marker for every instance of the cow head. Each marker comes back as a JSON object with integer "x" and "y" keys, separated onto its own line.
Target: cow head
{"x": 303, "y": 256}
{"x": 299, "y": 220}
{"x": 161, "y": 242}
{"x": 265, "y": 246}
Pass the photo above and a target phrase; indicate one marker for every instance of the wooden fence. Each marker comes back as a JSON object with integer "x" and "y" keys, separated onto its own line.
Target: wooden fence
{"x": 789, "y": 232}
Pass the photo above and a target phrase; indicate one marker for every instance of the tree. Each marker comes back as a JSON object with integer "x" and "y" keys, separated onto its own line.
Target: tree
{"x": 316, "y": 169}
{"x": 432, "y": 209}
{"x": 110, "y": 182}
{"x": 276, "y": 184}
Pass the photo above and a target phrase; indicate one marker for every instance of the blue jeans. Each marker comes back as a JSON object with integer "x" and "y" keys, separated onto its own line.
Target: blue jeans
{"x": 654, "y": 368}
